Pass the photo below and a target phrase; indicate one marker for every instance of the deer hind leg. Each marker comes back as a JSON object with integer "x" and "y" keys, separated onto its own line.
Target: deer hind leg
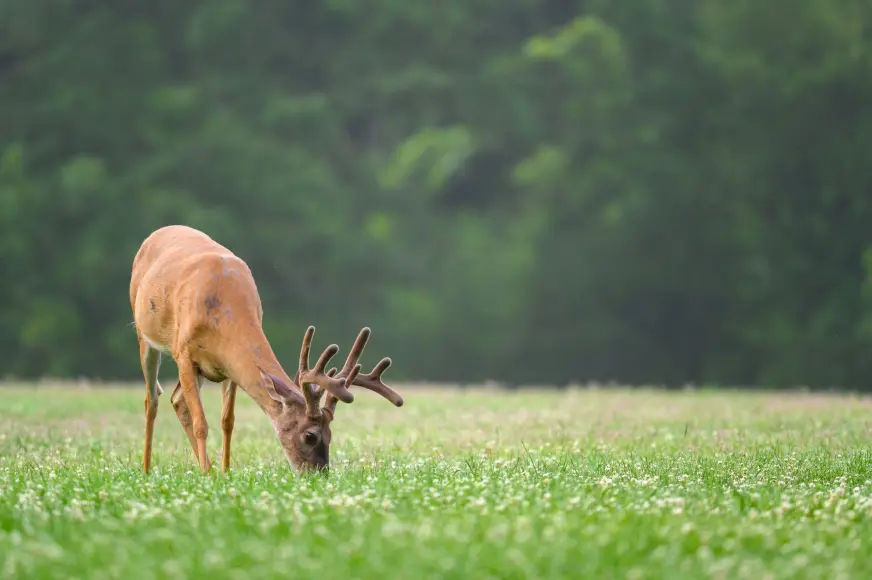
{"x": 150, "y": 359}
{"x": 189, "y": 377}
{"x": 184, "y": 415}
{"x": 228, "y": 418}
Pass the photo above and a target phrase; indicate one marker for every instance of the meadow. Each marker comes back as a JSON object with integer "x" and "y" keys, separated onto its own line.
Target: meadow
{"x": 475, "y": 483}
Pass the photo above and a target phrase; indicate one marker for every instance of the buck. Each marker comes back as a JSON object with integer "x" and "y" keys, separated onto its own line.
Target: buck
{"x": 195, "y": 300}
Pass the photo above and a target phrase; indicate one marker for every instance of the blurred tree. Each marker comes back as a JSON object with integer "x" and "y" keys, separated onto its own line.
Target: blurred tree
{"x": 524, "y": 190}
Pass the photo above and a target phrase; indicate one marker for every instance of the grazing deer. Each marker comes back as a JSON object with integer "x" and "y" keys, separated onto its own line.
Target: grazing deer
{"x": 195, "y": 300}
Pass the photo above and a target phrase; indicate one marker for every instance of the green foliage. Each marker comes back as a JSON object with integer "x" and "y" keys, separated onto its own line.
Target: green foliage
{"x": 428, "y": 159}
{"x": 519, "y": 190}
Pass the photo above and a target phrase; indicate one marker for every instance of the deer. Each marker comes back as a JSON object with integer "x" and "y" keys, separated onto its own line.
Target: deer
{"x": 197, "y": 301}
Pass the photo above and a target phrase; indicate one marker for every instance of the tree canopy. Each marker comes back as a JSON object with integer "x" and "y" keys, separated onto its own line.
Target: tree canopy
{"x": 531, "y": 191}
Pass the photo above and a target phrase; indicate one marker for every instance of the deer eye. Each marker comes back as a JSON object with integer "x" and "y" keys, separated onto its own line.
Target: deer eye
{"x": 310, "y": 438}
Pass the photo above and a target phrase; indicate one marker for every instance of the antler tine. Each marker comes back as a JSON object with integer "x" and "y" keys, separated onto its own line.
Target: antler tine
{"x": 304, "y": 349}
{"x": 330, "y": 373}
{"x": 374, "y": 383}
{"x": 350, "y": 369}
{"x": 354, "y": 354}
{"x": 310, "y": 395}
{"x": 349, "y": 380}
{"x": 307, "y": 377}
{"x": 325, "y": 357}
{"x": 371, "y": 381}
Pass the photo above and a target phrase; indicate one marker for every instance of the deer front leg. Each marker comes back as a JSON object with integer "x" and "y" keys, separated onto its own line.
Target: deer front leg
{"x": 189, "y": 377}
{"x": 228, "y": 418}
{"x": 184, "y": 415}
{"x": 150, "y": 359}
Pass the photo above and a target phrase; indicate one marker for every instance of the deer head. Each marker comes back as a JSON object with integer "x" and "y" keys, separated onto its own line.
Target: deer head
{"x": 302, "y": 425}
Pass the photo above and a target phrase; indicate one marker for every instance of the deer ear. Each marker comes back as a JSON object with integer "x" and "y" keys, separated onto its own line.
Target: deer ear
{"x": 279, "y": 391}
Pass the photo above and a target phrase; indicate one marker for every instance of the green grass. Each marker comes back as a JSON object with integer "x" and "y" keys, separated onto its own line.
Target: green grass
{"x": 593, "y": 484}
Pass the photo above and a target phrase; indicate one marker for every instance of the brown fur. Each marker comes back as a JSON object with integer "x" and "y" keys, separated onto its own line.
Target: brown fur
{"x": 194, "y": 299}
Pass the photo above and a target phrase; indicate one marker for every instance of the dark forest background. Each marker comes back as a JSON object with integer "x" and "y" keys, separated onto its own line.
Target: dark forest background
{"x": 529, "y": 191}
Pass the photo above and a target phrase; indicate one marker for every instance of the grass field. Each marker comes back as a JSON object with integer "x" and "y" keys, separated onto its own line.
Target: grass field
{"x": 481, "y": 484}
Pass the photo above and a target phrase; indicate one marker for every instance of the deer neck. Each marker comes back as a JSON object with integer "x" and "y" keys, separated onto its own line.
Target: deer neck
{"x": 259, "y": 355}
